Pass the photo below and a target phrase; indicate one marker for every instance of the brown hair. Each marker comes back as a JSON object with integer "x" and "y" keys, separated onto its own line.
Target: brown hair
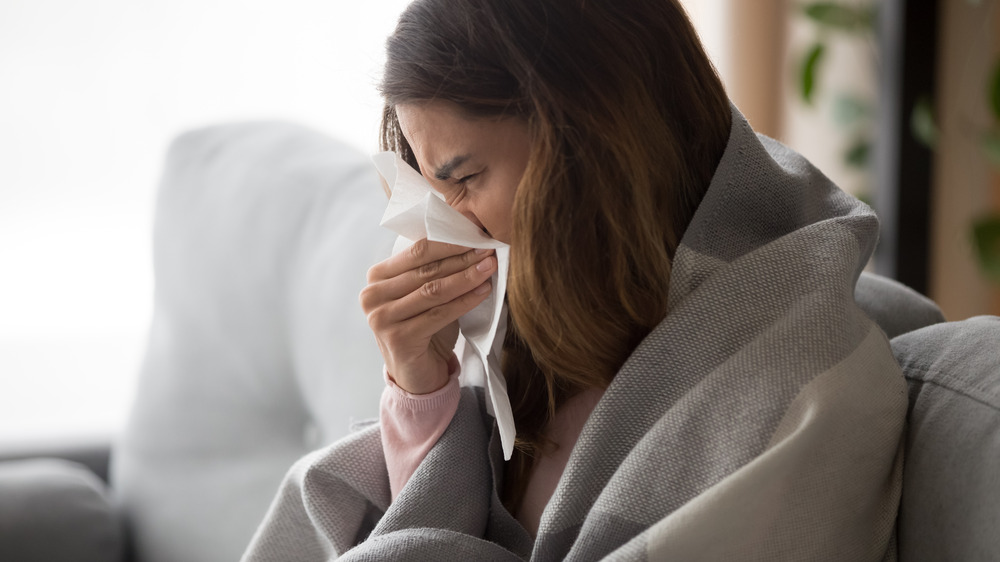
{"x": 628, "y": 120}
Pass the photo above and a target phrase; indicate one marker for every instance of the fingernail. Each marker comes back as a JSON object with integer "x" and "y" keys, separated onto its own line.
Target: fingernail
{"x": 481, "y": 250}
{"x": 485, "y": 265}
{"x": 482, "y": 288}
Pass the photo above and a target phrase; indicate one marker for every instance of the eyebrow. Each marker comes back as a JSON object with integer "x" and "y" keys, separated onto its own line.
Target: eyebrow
{"x": 444, "y": 172}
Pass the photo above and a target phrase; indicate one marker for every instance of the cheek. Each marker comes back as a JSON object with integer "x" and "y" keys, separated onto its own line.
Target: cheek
{"x": 496, "y": 212}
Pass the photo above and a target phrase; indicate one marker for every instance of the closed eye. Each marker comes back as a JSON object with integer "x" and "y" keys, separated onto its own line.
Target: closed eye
{"x": 462, "y": 180}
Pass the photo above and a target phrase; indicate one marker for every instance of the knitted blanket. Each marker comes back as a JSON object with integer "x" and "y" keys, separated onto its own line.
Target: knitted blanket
{"x": 761, "y": 420}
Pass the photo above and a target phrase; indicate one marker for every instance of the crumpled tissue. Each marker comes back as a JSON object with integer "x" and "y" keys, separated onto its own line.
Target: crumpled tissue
{"x": 416, "y": 210}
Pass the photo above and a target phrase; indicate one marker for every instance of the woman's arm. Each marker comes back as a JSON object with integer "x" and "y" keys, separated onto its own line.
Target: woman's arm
{"x": 411, "y": 424}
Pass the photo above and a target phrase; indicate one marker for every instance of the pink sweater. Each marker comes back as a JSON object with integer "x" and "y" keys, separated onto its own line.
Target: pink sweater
{"x": 412, "y": 424}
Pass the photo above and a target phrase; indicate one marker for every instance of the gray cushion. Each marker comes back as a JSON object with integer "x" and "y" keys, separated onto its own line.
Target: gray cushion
{"x": 259, "y": 351}
{"x": 53, "y": 510}
{"x": 896, "y": 308}
{"x": 950, "y": 509}
{"x": 94, "y": 453}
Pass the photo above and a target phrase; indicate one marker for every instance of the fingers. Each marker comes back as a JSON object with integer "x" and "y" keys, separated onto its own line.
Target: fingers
{"x": 431, "y": 321}
{"x": 438, "y": 292}
{"x": 412, "y": 280}
{"x": 420, "y": 253}
{"x": 439, "y": 301}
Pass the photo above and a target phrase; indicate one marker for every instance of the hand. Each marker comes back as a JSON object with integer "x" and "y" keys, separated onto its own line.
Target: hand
{"x": 413, "y": 302}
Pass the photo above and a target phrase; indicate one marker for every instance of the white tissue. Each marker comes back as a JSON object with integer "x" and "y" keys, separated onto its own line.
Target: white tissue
{"x": 417, "y": 211}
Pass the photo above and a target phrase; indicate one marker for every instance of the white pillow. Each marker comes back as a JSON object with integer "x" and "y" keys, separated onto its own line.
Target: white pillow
{"x": 259, "y": 351}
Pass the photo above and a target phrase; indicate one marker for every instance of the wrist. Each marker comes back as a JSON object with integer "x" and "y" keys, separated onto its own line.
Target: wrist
{"x": 422, "y": 401}
{"x": 424, "y": 381}
{"x": 425, "y": 386}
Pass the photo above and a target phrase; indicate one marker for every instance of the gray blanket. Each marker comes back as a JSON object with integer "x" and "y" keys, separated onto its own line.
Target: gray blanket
{"x": 761, "y": 420}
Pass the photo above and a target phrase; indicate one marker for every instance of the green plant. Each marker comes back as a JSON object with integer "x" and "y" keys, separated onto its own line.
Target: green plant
{"x": 986, "y": 229}
{"x": 855, "y": 114}
{"x": 852, "y": 112}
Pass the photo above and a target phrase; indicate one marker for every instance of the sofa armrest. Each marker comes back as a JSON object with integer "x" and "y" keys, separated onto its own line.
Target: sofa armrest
{"x": 53, "y": 510}
{"x": 95, "y": 454}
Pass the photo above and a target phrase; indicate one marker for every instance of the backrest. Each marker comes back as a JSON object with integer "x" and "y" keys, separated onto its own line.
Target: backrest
{"x": 259, "y": 351}
{"x": 950, "y": 507}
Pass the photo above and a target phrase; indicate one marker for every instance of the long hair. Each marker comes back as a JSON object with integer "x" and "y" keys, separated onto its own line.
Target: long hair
{"x": 628, "y": 120}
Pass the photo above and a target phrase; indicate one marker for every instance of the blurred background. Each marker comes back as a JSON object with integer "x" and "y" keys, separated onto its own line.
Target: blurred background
{"x": 901, "y": 111}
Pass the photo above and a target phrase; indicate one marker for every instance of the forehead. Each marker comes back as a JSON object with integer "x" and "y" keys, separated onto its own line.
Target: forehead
{"x": 444, "y": 138}
{"x": 433, "y": 127}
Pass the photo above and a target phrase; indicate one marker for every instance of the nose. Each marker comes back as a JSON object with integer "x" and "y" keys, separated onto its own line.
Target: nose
{"x": 463, "y": 208}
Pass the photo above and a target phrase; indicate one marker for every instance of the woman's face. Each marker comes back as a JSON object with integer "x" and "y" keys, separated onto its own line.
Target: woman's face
{"x": 475, "y": 163}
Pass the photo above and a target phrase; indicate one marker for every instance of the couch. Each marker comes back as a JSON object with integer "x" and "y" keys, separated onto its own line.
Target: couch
{"x": 259, "y": 352}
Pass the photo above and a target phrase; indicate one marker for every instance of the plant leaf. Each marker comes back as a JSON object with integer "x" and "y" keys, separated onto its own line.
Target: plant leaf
{"x": 849, "y": 109}
{"x": 995, "y": 91}
{"x": 858, "y": 154}
{"x": 991, "y": 146}
{"x": 922, "y": 123}
{"x": 841, "y": 17}
{"x": 807, "y": 76}
{"x": 986, "y": 239}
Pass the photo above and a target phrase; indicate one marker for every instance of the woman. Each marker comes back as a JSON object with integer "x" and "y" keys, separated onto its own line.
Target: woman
{"x": 689, "y": 375}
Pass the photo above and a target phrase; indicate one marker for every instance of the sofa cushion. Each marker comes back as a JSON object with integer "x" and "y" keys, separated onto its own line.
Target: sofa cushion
{"x": 896, "y": 308}
{"x": 950, "y": 508}
{"x": 53, "y": 510}
{"x": 259, "y": 351}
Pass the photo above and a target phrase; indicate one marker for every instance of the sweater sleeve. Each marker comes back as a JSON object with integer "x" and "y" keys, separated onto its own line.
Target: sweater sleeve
{"x": 411, "y": 425}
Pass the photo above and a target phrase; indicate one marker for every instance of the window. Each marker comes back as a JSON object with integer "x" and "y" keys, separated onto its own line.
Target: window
{"x": 93, "y": 93}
